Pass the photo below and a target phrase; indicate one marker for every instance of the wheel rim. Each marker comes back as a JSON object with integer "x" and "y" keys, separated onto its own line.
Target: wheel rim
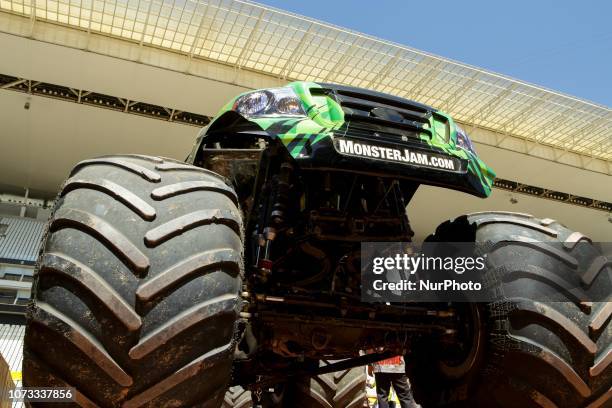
{"x": 465, "y": 358}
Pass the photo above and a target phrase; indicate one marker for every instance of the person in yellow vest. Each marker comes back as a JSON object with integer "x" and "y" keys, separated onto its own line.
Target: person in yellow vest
{"x": 371, "y": 392}
{"x": 392, "y": 372}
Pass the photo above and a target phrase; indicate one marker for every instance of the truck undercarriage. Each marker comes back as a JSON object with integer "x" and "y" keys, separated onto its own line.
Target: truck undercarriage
{"x": 302, "y": 289}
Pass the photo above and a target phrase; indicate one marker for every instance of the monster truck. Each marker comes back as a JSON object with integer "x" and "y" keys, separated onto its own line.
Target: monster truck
{"x": 164, "y": 283}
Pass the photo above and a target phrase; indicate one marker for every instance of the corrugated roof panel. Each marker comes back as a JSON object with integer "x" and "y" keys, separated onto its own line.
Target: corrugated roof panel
{"x": 21, "y": 240}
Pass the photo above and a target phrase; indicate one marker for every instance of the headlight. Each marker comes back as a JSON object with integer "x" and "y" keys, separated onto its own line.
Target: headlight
{"x": 271, "y": 102}
{"x": 463, "y": 141}
{"x": 253, "y": 103}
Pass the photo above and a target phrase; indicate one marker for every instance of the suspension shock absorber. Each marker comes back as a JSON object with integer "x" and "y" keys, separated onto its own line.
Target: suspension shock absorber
{"x": 281, "y": 198}
{"x": 280, "y": 191}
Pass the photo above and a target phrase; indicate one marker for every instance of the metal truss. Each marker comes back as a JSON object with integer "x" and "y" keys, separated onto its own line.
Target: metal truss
{"x": 541, "y": 192}
{"x": 101, "y": 100}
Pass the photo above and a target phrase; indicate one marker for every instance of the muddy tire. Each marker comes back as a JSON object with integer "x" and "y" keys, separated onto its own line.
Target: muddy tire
{"x": 136, "y": 293}
{"x": 341, "y": 389}
{"x": 528, "y": 350}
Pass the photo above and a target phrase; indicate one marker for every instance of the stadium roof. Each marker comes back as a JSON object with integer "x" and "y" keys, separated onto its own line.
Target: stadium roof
{"x": 255, "y": 37}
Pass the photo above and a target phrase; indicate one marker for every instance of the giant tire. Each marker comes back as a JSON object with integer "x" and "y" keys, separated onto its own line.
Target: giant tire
{"x": 136, "y": 294}
{"x": 527, "y": 351}
{"x": 340, "y": 389}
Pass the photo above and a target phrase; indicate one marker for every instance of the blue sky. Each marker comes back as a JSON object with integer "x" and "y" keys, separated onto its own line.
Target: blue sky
{"x": 562, "y": 45}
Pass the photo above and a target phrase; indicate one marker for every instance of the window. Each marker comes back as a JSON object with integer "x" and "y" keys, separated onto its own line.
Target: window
{"x": 12, "y": 276}
{"x": 3, "y": 229}
{"x": 7, "y": 297}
